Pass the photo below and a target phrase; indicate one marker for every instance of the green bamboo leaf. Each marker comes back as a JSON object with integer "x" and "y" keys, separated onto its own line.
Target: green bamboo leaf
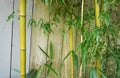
{"x": 115, "y": 31}
{"x": 32, "y": 22}
{"x": 84, "y": 48}
{"x": 28, "y": 74}
{"x": 44, "y": 52}
{"x": 45, "y": 2}
{"x": 51, "y": 51}
{"x": 51, "y": 2}
{"x": 39, "y": 70}
{"x": 47, "y": 28}
{"x": 78, "y": 48}
{"x": 40, "y": 23}
{"x": 75, "y": 60}
{"x": 48, "y": 71}
{"x": 31, "y": 74}
{"x": 11, "y": 16}
{"x": 94, "y": 51}
{"x": 106, "y": 17}
{"x": 16, "y": 70}
{"x": 103, "y": 74}
{"x": 63, "y": 61}
{"x": 58, "y": 12}
{"x": 118, "y": 69}
{"x": 93, "y": 73}
{"x": 77, "y": 4}
{"x": 52, "y": 70}
{"x": 63, "y": 1}
{"x": 56, "y": 19}
{"x": 96, "y": 34}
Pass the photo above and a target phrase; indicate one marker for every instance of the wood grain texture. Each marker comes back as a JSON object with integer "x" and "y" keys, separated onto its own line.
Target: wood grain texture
{"x": 38, "y": 38}
{"x": 60, "y": 42}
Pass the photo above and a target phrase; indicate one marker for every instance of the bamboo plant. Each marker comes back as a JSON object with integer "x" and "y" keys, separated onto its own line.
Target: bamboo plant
{"x": 71, "y": 48}
{"x": 99, "y": 40}
{"x": 95, "y": 35}
{"x": 22, "y": 38}
{"x": 82, "y": 9}
{"x": 97, "y": 10}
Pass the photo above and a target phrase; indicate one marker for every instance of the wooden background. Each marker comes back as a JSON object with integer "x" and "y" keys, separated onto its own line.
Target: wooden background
{"x": 60, "y": 42}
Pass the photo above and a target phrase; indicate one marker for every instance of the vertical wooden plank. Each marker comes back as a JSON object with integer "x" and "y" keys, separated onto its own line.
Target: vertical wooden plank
{"x": 37, "y": 58}
{"x": 66, "y": 50}
{"x": 5, "y": 37}
{"x": 61, "y": 49}
{"x": 16, "y": 47}
{"x": 56, "y": 39}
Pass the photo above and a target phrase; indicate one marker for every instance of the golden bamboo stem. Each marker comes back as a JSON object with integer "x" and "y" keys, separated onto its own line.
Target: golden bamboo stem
{"x": 22, "y": 38}
{"x": 71, "y": 58}
{"x": 97, "y": 9}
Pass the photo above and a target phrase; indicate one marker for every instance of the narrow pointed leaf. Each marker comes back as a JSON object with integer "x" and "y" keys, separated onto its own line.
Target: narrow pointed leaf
{"x": 39, "y": 72}
{"x": 63, "y": 61}
{"x": 44, "y": 52}
{"x": 52, "y": 70}
{"x": 51, "y": 50}
{"x": 75, "y": 60}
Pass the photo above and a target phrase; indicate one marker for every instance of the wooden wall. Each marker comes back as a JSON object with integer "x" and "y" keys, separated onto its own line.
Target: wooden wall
{"x": 9, "y": 38}
{"x": 59, "y": 41}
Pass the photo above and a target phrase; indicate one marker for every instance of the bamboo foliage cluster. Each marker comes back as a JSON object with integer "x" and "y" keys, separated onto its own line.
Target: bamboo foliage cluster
{"x": 99, "y": 36}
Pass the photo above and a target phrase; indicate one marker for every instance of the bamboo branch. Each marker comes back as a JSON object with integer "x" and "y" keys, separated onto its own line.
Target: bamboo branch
{"x": 97, "y": 10}
{"x": 82, "y": 9}
{"x": 71, "y": 58}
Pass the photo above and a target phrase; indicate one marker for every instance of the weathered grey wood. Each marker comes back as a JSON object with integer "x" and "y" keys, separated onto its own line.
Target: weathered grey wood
{"x": 5, "y": 37}
{"x": 16, "y": 44}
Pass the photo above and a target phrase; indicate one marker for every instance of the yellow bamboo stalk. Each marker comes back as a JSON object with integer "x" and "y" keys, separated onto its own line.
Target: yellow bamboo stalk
{"x": 71, "y": 58}
{"x": 97, "y": 9}
{"x": 22, "y": 38}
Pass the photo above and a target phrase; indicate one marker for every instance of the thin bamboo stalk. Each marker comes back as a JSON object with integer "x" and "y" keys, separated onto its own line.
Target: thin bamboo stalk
{"x": 97, "y": 9}
{"x": 22, "y": 38}
{"x": 71, "y": 58}
{"x": 82, "y": 9}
